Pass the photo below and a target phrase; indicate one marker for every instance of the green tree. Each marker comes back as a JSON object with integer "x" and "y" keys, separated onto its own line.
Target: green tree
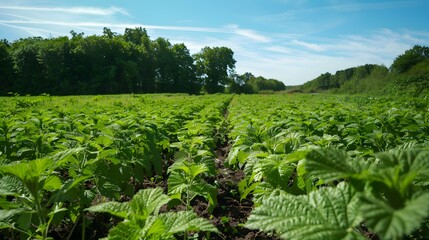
{"x": 411, "y": 57}
{"x": 213, "y": 66}
{"x": 28, "y": 68}
{"x": 107, "y": 32}
{"x": 165, "y": 65}
{"x": 6, "y": 68}
{"x": 186, "y": 79}
{"x": 136, "y": 35}
{"x": 54, "y": 54}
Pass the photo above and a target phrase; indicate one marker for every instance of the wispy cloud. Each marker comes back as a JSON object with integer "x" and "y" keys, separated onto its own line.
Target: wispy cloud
{"x": 310, "y": 46}
{"x": 72, "y": 10}
{"x": 372, "y": 5}
{"x": 229, "y": 29}
{"x": 248, "y": 33}
{"x": 293, "y": 57}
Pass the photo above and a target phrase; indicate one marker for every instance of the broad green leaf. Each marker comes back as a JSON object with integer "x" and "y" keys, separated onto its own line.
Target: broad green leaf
{"x": 122, "y": 210}
{"x": 412, "y": 164}
{"x": 275, "y": 170}
{"x": 154, "y": 228}
{"x": 206, "y": 190}
{"x": 8, "y": 213}
{"x": 125, "y": 230}
{"x": 327, "y": 213}
{"x": 198, "y": 169}
{"x": 52, "y": 183}
{"x": 12, "y": 186}
{"x": 4, "y": 225}
{"x": 177, "y": 183}
{"x": 390, "y": 223}
{"x": 177, "y": 222}
{"x": 148, "y": 202}
{"x": 191, "y": 169}
{"x": 331, "y": 164}
{"x": 265, "y": 190}
{"x": 28, "y": 171}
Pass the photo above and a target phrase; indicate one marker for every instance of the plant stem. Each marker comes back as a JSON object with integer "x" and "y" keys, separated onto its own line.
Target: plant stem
{"x": 83, "y": 226}
{"x": 72, "y": 230}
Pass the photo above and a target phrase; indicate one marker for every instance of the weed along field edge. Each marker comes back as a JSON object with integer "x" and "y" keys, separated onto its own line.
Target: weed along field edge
{"x": 172, "y": 166}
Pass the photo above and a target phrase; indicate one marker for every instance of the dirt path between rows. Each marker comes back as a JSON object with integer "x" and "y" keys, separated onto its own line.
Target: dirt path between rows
{"x": 230, "y": 214}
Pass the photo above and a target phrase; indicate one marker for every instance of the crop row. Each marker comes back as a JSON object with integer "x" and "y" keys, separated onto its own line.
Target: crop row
{"x": 64, "y": 157}
{"x": 332, "y": 167}
{"x": 316, "y": 166}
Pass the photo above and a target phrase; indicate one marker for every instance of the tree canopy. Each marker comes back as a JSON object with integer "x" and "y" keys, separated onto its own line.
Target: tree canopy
{"x": 410, "y": 58}
{"x": 408, "y": 74}
{"x": 214, "y": 65}
{"x": 112, "y": 63}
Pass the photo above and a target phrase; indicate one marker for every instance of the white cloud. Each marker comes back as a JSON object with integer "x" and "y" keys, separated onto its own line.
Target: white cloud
{"x": 72, "y": 10}
{"x": 248, "y": 33}
{"x": 311, "y": 46}
{"x": 293, "y": 58}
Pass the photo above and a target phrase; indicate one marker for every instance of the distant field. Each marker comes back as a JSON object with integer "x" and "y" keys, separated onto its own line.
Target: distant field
{"x": 172, "y": 166}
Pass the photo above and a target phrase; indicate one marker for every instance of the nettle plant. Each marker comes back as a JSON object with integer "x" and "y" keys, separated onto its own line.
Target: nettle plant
{"x": 24, "y": 197}
{"x": 387, "y": 194}
{"x": 143, "y": 220}
{"x": 186, "y": 179}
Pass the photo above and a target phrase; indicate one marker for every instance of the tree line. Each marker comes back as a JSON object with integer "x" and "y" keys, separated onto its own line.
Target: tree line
{"x": 112, "y": 63}
{"x": 408, "y": 74}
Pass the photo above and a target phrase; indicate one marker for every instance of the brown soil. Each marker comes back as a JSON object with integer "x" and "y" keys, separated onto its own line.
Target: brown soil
{"x": 230, "y": 214}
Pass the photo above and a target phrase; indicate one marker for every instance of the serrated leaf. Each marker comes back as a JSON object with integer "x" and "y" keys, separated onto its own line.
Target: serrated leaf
{"x": 52, "y": 183}
{"x": 331, "y": 164}
{"x": 12, "y": 186}
{"x": 207, "y": 191}
{"x": 177, "y": 183}
{"x": 27, "y": 171}
{"x": 391, "y": 223}
{"x": 148, "y": 201}
{"x": 177, "y": 222}
{"x": 125, "y": 230}
{"x": 154, "y": 228}
{"x": 122, "y": 210}
{"x": 275, "y": 170}
{"x": 265, "y": 190}
{"x": 8, "y": 213}
{"x": 4, "y": 225}
{"x": 327, "y": 213}
{"x": 412, "y": 164}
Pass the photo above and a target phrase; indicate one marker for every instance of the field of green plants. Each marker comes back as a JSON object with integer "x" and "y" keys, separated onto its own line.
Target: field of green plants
{"x": 214, "y": 167}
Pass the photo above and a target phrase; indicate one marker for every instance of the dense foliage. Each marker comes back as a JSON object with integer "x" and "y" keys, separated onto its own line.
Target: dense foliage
{"x": 408, "y": 75}
{"x": 313, "y": 166}
{"x": 112, "y": 63}
{"x": 329, "y": 167}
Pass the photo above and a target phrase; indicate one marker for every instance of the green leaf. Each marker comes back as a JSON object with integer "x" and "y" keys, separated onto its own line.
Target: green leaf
{"x": 27, "y": 171}
{"x": 52, "y": 183}
{"x": 128, "y": 230}
{"x": 190, "y": 169}
{"x": 327, "y": 213}
{"x": 148, "y": 201}
{"x": 154, "y": 228}
{"x": 207, "y": 191}
{"x": 177, "y": 222}
{"x": 275, "y": 170}
{"x": 413, "y": 166}
{"x": 122, "y": 210}
{"x": 390, "y": 223}
{"x": 12, "y": 186}
{"x": 331, "y": 164}
{"x": 8, "y": 213}
{"x": 265, "y": 190}
{"x": 177, "y": 183}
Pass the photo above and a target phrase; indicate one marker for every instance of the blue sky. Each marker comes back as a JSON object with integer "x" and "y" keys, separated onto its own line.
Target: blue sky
{"x": 290, "y": 40}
